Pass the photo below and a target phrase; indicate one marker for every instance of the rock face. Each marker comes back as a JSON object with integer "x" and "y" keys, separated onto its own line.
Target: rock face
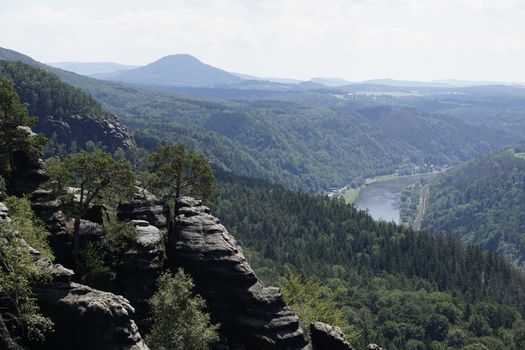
{"x": 141, "y": 265}
{"x": 27, "y": 174}
{"x": 4, "y": 213}
{"x": 86, "y": 318}
{"x": 6, "y": 342}
{"x": 325, "y": 337}
{"x": 252, "y": 316}
{"x": 60, "y": 237}
{"x": 83, "y": 128}
{"x": 145, "y": 206}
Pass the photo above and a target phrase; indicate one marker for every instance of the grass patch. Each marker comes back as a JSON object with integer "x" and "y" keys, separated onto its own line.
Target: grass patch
{"x": 350, "y": 194}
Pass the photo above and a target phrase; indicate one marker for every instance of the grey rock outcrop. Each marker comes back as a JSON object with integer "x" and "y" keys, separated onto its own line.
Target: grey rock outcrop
{"x": 145, "y": 206}
{"x": 87, "y": 318}
{"x": 326, "y": 337}
{"x": 252, "y": 316}
{"x": 27, "y": 173}
{"x": 4, "y": 213}
{"x": 374, "y": 347}
{"x": 83, "y": 128}
{"x": 6, "y": 342}
{"x": 60, "y": 235}
{"x": 141, "y": 265}
{"x": 84, "y": 318}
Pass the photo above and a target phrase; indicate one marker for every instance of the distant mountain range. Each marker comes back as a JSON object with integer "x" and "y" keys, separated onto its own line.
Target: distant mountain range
{"x": 184, "y": 70}
{"x": 93, "y": 68}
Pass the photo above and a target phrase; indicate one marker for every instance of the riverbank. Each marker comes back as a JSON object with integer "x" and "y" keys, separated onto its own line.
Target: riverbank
{"x": 350, "y": 194}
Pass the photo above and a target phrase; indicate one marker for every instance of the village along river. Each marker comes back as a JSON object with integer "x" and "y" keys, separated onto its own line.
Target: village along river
{"x": 382, "y": 199}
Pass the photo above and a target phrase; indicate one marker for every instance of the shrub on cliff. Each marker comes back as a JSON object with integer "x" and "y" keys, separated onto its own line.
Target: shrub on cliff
{"x": 178, "y": 317}
{"x": 99, "y": 178}
{"x": 308, "y": 301}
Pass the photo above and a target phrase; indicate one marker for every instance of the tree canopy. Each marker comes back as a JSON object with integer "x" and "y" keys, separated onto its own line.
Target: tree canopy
{"x": 180, "y": 171}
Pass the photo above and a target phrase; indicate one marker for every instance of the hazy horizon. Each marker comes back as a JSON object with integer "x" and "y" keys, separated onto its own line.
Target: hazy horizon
{"x": 354, "y": 40}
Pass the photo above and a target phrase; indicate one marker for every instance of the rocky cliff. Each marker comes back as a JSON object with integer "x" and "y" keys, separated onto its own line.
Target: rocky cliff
{"x": 108, "y": 130}
{"x": 252, "y": 316}
{"x": 84, "y": 318}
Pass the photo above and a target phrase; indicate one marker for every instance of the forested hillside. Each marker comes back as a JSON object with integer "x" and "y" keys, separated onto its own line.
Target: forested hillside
{"x": 45, "y": 94}
{"x": 483, "y": 202}
{"x": 297, "y": 144}
{"x": 408, "y": 290}
{"x": 304, "y": 140}
{"x": 67, "y": 116}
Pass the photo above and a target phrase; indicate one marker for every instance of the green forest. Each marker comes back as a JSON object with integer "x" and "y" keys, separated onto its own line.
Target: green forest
{"x": 406, "y": 289}
{"x": 45, "y": 94}
{"x": 483, "y": 202}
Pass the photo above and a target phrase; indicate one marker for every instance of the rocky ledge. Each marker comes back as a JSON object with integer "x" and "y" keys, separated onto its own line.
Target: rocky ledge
{"x": 252, "y": 316}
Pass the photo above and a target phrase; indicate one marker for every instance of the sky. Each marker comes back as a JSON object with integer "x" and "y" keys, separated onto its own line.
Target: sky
{"x": 424, "y": 40}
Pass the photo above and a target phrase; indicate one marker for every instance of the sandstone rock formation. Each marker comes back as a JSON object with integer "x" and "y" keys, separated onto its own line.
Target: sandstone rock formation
{"x": 140, "y": 267}
{"x": 27, "y": 172}
{"x": 145, "y": 206}
{"x": 86, "y": 318}
{"x": 252, "y": 316}
{"x": 326, "y": 337}
{"x": 83, "y": 317}
{"x": 83, "y": 128}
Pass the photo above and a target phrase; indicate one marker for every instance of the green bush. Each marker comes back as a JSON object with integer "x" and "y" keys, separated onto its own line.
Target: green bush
{"x": 307, "y": 299}
{"x": 27, "y": 225}
{"x": 178, "y": 317}
{"x": 92, "y": 269}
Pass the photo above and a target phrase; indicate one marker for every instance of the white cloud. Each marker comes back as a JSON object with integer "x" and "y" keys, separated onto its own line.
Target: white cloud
{"x": 354, "y": 39}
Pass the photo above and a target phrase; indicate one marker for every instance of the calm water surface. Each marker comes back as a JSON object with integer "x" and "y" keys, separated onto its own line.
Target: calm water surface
{"x": 383, "y": 198}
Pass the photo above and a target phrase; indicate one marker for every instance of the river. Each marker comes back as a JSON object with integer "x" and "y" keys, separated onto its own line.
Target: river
{"x": 382, "y": 199}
